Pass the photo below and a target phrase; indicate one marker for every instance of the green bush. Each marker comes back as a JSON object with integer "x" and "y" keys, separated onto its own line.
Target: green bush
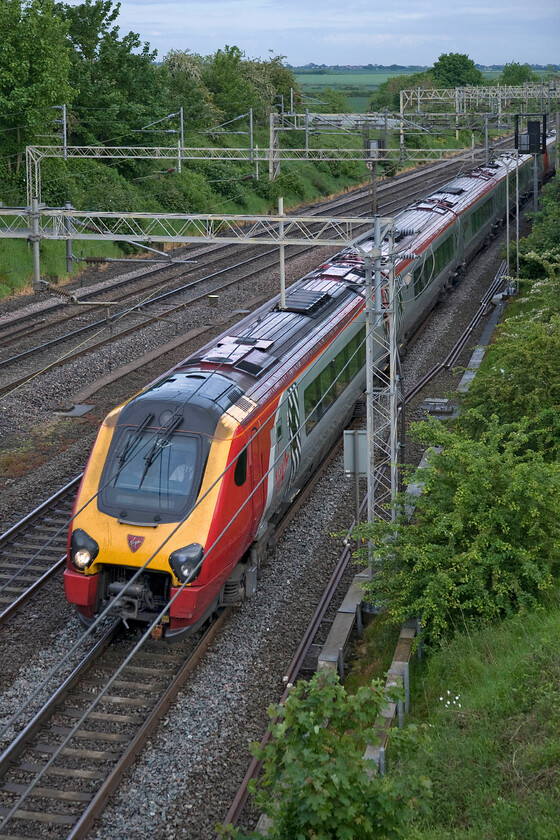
{"x": 485, "y": 539}
{"x": 316, "y": 784}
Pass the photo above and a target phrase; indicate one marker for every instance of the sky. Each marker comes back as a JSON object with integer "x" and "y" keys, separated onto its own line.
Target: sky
{"x": 352, "y": 31}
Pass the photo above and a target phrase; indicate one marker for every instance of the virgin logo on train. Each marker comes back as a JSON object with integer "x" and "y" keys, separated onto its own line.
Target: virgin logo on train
{"x": 134, "y": 543}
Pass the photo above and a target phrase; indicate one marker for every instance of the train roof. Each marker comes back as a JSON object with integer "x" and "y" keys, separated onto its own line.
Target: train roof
{"x": 265, "y": 350}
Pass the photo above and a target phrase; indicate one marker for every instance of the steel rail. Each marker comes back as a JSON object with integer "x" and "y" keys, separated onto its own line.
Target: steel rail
{"x": 293, "y": 252}
{"x": 401, "y": 181}
{"x": 16, "y": 383}
{"x": 238, "y": 803}
{"x": 35, "y": 517}
{"x": 97, "y": 805}
{"x": 19, "y": 744}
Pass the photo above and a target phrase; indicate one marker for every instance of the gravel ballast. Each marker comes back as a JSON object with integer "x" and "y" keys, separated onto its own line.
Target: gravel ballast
{"x": 185, "y": 780}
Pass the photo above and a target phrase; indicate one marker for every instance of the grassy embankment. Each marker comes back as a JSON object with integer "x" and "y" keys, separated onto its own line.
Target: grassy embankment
{"x": 490, "y": 691}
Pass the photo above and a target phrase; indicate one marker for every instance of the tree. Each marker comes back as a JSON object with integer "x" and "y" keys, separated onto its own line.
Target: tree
{"x": 117, "y": 83}
{"x": 455, "y": 70}
{"x": 34, "y": 70}
{"x": 387, "y": 94}
{"x": 316, "y": 783}
{"x": 516, "y": 74}
{"x": 181, "y": 73}
{"x": 224, "y": 76}
{"x": 485, "y": 538}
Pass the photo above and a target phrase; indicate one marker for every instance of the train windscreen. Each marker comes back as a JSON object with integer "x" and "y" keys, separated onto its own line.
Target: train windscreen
{"x": 150, "y": 478}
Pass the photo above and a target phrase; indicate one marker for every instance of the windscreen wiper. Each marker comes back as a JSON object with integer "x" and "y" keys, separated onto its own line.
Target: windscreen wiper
{"x": 133, "y": 440}
{"x": 158, "y": 446}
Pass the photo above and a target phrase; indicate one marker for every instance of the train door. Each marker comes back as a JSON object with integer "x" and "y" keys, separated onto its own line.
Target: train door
{"x": 258, "y": 471}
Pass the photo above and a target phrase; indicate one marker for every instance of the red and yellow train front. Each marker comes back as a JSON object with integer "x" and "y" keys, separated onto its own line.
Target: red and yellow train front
{"x": 165, "y": 508}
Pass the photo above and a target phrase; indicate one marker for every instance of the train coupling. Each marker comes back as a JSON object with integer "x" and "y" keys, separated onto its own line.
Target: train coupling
{"x": 126, "y": 600}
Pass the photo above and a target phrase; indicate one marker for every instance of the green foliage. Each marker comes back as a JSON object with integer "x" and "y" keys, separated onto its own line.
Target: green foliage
{"x": 316, "y": 784}
{"x": 540, "y": 251}
{"x": 455, "y": 70}
{"x": 34, "y": 68}
{"x": 516, "y": 74}
{"x": 485, "y": 539}
{"x": 335, "y": 102}
{"x": 181, "y": 76}
{"x": 224, "y": 76}
{"x": 493, "y": 761}
{"x": 116, "y": 80}
{"x": 388, "y": 93}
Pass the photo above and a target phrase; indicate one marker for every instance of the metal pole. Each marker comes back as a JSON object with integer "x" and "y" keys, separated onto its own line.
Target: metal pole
{"x": 517, "y": 220}
{"x": 401, "y": 130}
{"x": 356, "y": 477}
{"x": 369, "y": 383}
{"x": 251, "y": 132}
{"x": 271, "y": 149}
{"x": 507, "y": 216}
{"x": 282, "y": 256}
{"x": 182, "y": 138}
{"x": 35, "y": 239}
{"x": 68, "y": 227}
{"x": 393, "y": 379}
{"x": 64, "y": 133}
{"x": 535, "y": 183}
{"x": 486, "y": 139}
{"x": 307, "y": 134}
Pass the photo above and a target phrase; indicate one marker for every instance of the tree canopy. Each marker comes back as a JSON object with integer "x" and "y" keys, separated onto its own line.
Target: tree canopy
{"x": 455, "y": 70}
{"x": 516, "y": 74}
{"x": 34, "y": 73}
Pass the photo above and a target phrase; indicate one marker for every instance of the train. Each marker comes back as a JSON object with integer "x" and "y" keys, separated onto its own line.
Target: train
{"x": 187, "y": 478}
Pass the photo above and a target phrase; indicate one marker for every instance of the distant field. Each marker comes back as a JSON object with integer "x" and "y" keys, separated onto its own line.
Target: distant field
{"x": 357, "y": 85}
{"x": 366, "y": 78}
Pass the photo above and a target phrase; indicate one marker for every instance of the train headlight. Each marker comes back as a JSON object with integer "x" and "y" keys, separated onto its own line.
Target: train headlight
{"x": 185, "y": 562}
{"x": 83, "y": 549}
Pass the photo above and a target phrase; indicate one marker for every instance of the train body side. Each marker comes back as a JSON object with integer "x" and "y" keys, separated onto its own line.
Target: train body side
{"x": 254, "y": 411}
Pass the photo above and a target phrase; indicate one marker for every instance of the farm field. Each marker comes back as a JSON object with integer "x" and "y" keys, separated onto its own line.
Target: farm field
{"x": 358, "y": 85}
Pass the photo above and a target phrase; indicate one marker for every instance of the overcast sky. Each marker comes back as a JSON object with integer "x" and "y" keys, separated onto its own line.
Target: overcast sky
{"x": 352, "y": 31}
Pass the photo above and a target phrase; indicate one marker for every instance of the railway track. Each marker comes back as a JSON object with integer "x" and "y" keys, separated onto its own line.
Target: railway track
{"x": 72, "y": 808}
{"x": 68, "y": 760}
{"x": 296, "y": 665}
{"x": 413, "y": 183}
{"x": 71, "y": 756}
{"x": 34, "y": 549}
{"x": 142, "y": 319}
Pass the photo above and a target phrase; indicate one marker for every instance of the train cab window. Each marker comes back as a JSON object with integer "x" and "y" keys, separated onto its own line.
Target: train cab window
{"x": 240, "y": 473}
{"x": 279, "y": 430}
{"x": 150, "y": 477}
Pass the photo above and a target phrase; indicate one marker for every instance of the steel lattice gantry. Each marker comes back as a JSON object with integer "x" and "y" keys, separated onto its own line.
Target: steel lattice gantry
{"x": 478, "y": 99}
{"x": 39, "y": 222}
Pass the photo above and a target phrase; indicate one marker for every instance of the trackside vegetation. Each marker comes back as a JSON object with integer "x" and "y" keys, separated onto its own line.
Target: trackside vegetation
{"x": 479, "y": 564}
{"x": 119, "y": 92}
{"x": 315, "y": 782}
{"x": 484, "y": 543}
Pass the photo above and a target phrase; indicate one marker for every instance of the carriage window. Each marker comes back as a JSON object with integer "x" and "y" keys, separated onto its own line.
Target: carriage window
{"x": 240, "y": 473}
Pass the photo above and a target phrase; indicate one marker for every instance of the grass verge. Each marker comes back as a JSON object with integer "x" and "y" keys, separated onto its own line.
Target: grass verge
{"x": 492, "y": 701}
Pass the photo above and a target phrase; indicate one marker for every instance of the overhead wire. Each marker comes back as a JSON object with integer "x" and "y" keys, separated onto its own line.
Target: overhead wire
{"x": 308, "y": 341}
{"x": 162, "y": 612}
